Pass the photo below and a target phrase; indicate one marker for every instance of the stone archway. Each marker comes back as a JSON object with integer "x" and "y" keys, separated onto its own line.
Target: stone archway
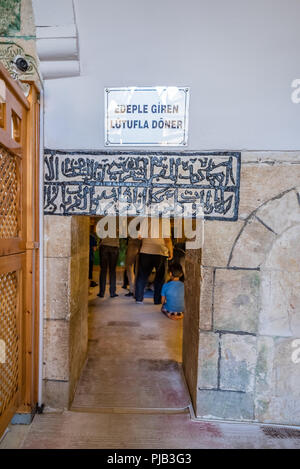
{"x": 245, "y": 369}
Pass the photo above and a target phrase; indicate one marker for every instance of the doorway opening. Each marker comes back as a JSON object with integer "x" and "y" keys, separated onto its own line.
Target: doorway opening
{"x": 134, "y": 358}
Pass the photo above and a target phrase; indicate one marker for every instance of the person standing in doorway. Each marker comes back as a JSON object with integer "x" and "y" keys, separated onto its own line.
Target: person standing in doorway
{"x": 109, "y": 253}
{"x": 133, "y": 248}
{"x": 154, "y": 252}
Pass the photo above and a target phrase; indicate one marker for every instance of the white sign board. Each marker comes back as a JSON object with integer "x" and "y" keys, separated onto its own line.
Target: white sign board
{"x": 146, "y": 116}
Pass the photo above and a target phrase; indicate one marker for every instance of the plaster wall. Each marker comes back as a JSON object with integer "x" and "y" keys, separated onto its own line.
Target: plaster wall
{"x": 238, "y": 57}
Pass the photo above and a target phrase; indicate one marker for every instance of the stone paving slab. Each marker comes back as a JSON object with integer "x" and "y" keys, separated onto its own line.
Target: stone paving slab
{"x": 133, "y": 359}
{"x": 99, "y": 431}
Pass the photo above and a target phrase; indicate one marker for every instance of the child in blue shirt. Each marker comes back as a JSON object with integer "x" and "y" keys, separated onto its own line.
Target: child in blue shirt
{"x": 172, "y": 294}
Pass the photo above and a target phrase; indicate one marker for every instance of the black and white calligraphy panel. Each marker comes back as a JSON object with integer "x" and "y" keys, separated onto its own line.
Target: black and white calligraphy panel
{"x": 98, "y": 183}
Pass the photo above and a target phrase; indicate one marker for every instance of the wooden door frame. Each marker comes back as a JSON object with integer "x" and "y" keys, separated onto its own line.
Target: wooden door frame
{"x": 31, "y": 320}
{"x": 26, "y": 245}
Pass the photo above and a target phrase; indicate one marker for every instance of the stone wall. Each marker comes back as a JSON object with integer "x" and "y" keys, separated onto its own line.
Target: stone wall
{"x": 190, "y": 346}
{"x": 66, "y": 306}
{"x": 242, "y": 301}
{"x": 250, "y": 299}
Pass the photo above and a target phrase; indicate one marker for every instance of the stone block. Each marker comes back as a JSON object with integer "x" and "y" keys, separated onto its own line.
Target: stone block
{"x": 238, "y": 362}
{"x": 75, "y": 342}
{"x": 79, "y": 324}
{"x": 208, "y": 360}
{"x": 84, "y": 276}
{"x": 280, "y": 157}
{"x": 56, "y": 350}
{"x": 78, "y": 311}
{"x": 74, "y": 281}
{"x": 262, "y": 182}
{"x": 77, "y": 353}
{"x": 280, "y": 304}
{"x": 57, "y": 236}
{"x": 80, "y": 235}
{"x": 191, "y": 323}
{"x": 271, "y": 157}
{"x": 84, "y": 330}
{"x": 190, "y": 272}
{"x": 206, "y": 298}
{"x": 78, "y": 281}
{"x": 277, "y": 382}
{"x": 57, "y": 288}
{"x": 277, "y": 410}
{"x": 194, "y": 256}
{"x": 252, "y": 246}
{"x": 285, "y": 253}
{"x": 27, "y": 18}
{"x": 192, "y": 294}
{"x": 56, "y": 394}
{"x": 225, "y": 405}
{"x": 286, "y": 372}
{"x": 281, "y": 213}
{"x": 264, "y": 365}
{"x": 190, "y": 349}
{"x": 218, "y": 241}
{"x": 236, "y": 300}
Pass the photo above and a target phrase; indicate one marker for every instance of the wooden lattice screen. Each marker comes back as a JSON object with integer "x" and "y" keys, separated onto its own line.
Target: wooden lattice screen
{"x": 18, "y": 249}
{"x": 9, "y": 335}
{"x": 9, "y": 195}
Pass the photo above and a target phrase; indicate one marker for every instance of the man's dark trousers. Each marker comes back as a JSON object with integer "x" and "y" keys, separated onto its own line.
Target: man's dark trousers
{"x": 108, "y": 260}
{"x": 146, "y": 264}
